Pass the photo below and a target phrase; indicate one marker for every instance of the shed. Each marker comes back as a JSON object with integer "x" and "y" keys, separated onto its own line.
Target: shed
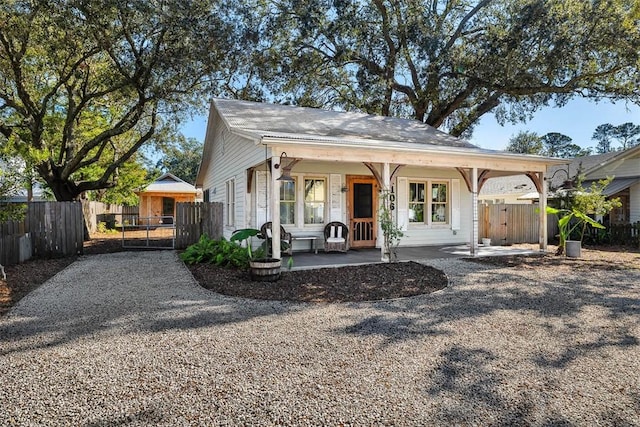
{"x": 158, "y": 200}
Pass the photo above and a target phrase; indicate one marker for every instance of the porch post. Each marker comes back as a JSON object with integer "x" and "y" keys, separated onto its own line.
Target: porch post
{"x": 275, "y": 211}
{"x": 473, "y": 247}
{"x": 386, "y": 185}
{"x": 543, "y": 232}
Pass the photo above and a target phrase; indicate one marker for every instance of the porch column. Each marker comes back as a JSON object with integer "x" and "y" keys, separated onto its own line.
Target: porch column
{"x": 275, "y": 210}
{"x": 473, "y": 247}
{"x": 544, "y": 238}
{"x": 386, "y": 185}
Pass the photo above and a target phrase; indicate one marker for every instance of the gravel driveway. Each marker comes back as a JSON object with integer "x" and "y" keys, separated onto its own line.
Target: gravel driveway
{"x": 131, "y": 339}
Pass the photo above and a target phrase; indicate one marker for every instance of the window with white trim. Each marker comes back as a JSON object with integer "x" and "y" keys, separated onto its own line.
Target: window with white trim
{"x": 315, "y": 196}
{"x": 439, "y": 203}
{"x": 416, "y": 201}
{"x": 429, "y": 202}
{"x": 288, "y": 202}
{"x": 230, "y": 202}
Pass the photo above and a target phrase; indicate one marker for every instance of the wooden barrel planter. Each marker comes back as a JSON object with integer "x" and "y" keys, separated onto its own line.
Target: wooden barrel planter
{"x": 265, "y": 270}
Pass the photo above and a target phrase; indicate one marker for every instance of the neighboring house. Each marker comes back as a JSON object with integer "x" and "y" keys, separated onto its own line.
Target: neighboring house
{"x": 339, "y": 162}
{"x": 515, "y": 189}
{"x": 623, "y": 166}
{"x": 158, "y": 200}
{"x": 38, "y": 195}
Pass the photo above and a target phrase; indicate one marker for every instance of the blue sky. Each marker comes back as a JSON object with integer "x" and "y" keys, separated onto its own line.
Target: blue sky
{"x": 578, "y": 119}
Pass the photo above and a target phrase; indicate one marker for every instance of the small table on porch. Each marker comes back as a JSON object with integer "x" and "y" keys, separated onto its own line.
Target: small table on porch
{"x": 311, "y": 238}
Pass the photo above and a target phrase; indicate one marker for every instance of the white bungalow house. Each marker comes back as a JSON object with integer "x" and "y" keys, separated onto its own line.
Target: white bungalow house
{"x": 339, "y": 163}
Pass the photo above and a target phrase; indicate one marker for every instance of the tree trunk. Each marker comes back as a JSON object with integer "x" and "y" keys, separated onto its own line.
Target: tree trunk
{"x": 64, "y": 191}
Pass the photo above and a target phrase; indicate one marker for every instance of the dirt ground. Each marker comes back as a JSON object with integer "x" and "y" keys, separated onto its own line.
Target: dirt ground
{"x": 355, "y": 283}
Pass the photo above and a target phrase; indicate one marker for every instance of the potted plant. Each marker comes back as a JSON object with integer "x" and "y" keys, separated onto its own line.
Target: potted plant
{"x": 575, "y": 217}
{"x": 570, "y": 220}
{"x": 261, "y": 268}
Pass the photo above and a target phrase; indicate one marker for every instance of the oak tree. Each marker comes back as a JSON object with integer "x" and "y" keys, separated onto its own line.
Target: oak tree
{"x": 526, "y": 143}
{"x": 446, "y": 62}
{"x": 86, "y": 83}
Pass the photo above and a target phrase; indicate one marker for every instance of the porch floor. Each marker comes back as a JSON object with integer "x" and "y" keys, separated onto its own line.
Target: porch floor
{"x": 307, "y": 260}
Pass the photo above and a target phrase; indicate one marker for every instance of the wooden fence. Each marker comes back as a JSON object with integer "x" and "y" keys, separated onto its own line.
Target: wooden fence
{"x": 15, "y": 244}
{"x": 195, "y": 219}
{"x": 508, "y": 224}
{"x": 96, "y": 212}
{"x": 50, "y": 229}
{"x": 56, "y": 228}
{"x": 625, "y": 234}
{"x": 614, "y": 234}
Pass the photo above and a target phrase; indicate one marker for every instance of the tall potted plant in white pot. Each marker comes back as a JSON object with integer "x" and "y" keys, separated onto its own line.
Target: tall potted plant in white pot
{"x": 573, "y": 221}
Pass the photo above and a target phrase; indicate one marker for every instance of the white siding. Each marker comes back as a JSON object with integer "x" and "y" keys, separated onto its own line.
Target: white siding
{"x": 634, "y": 201}
{"x": 419, "y": 234}
{"x": 231, "y": 157}
{"x": 624, "y": 168}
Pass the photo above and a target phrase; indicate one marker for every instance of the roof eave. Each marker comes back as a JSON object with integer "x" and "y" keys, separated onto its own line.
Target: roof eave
{"x": 383, "y": 146}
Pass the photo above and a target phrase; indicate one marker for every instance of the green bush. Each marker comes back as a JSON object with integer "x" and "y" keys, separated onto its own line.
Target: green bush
{"x": 103, "y": 228}
{"x": 219, "y": 252}
{"x": 12, "y": 211}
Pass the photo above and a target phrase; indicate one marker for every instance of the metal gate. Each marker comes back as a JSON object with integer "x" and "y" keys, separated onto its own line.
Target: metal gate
{"x": 151, "y": 232}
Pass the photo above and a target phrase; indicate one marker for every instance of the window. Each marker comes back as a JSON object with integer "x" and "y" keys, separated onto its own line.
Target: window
{"x": 416, "y": 202}
{"x": 230, "y": 206}
{"x": 314, "y": 200}
{"x": 206, "y": 196}
{"x": 288, "y": 202}
{"x": 439, "y": 200}
{"x": 437, "y": 210}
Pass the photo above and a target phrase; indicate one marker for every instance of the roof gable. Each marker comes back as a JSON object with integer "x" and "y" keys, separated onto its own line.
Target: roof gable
{"x": 169, "y": 183}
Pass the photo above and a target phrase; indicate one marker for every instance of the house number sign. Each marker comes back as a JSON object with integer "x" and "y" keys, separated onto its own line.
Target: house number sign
{"x": 392, "y": 199}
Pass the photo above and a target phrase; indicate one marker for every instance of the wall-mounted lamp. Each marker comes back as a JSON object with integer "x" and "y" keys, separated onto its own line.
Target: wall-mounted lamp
{"x": 286, "y": 170}
{"x": 568, "y": 184}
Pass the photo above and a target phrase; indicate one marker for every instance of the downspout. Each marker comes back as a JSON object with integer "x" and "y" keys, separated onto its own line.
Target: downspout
{"x": 473, "y": 247}
{"x": 275, "y": 211}
{"x": 543, "y": 232}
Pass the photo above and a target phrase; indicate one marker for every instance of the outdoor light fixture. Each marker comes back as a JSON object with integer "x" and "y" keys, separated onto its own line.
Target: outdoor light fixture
{"x": 568, "y": 184}
{"x": 286, "y": 170}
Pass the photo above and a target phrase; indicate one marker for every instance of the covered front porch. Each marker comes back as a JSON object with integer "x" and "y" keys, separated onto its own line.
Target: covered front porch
{"x": 407, "y": 172}
{"x": 309, "y": 260}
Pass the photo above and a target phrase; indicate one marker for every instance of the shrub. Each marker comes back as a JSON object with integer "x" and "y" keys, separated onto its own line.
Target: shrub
{"x": 219, "y": 252}
{"x": 103, "y": 228}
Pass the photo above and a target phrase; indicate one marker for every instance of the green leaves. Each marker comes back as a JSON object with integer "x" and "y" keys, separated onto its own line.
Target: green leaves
{"x": 86, "y": 84}
{"x": 220, "y": 252}
{"x": 182, "y": 159}
{"x": 447, "y": 63}
{"x": 582, "y": 203}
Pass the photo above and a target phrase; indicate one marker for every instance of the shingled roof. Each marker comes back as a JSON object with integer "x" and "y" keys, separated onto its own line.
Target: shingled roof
{"x": 293, "y": 122}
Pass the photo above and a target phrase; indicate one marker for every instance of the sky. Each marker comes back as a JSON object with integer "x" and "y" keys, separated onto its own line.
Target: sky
{"x": 578, "y": 119}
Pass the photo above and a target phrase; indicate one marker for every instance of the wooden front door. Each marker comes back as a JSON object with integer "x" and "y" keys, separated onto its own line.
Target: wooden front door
{"x": 363, "y": 207}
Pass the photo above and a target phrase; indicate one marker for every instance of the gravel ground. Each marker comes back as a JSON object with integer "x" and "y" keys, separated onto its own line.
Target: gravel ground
{"x": 131, "y": 339}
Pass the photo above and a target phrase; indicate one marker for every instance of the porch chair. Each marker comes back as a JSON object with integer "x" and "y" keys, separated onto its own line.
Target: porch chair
{"x": 285, "y": 238}
{"x": 336, "y": 237}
